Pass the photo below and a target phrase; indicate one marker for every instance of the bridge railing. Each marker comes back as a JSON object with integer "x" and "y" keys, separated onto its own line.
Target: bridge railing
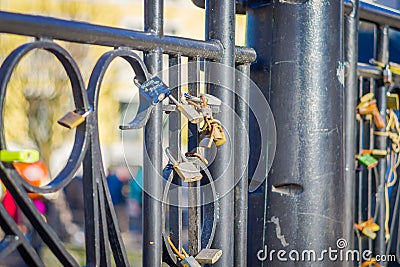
{"x": 102, "y": 234}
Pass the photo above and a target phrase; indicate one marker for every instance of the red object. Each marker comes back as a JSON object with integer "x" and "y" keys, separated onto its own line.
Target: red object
{"x": 33, "y": 173}
{"x": 11, "y": 207}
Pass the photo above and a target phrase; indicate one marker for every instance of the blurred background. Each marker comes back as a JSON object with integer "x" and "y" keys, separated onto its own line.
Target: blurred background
{"x": 39, "y": 94}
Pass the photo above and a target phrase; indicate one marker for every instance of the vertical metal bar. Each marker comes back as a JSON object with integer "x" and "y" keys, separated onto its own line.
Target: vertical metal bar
{"x": 194, "y": 198}
{"x": 241, "y": 161}
{"x": 300, "y": 71}
{"x": 103, "y": 229}
{"x": 382, "y": 55}
{"x": 115, "y": 238}
{"x": 152, "y": 156}
{"x": 350, "y": 101}
{"x": 220, "y": 25}
{"x": 175, "y": 126}
{"x": 90, "y": 172}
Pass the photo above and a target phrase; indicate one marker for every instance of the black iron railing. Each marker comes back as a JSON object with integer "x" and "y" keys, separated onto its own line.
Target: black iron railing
{"x": 216, "y": 226}
{"x": 222, "y": 223}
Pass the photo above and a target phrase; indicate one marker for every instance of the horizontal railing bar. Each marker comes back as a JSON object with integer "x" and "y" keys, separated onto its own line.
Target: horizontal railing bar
{"x": 369, "y": 71}
{"x": 82, "y": 32}
{"x": 374, "y": 72}
{"x": 377, "y": 14}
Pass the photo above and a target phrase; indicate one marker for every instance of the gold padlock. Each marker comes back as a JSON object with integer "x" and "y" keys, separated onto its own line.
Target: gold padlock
{"x": 189, "y": 111}
{"x": 392, "y": 101}
{"x": 73, "y": 119}
{"x": 212, "y": 131}
{"x": 368, "y": 228}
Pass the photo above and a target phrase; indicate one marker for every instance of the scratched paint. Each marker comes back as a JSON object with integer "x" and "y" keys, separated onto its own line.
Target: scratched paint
{"x": 278, "y": 230}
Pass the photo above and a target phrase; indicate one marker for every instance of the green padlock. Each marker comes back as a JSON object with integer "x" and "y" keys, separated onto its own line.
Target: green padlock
{"x": 24, "y": 156}
{"x": 368, "y": 160}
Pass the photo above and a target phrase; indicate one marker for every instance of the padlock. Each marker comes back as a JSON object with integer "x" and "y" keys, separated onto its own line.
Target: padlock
{"x": 368, "y": 228}
{"x": 392, "y": 101}
{"x": 208, "y": 256}
{"x": 154, "y": 89}
{"x": 212, "y": 131}
{"x": 187, "y": 170}
{"x": 363, "y": 105}
{"x": 24, "y": 156}
{"x": 205, "y": 108}
{"x": 372, "y": 109}
{"x": 368, "y": 160}
{"x": 379, "y": 153}
{"x": 189, "y": 111}
{"x": 196, "y": 155}
{"x": 212, "y": 100}
{"x": 73, "y": 118}
{"x": 206, "y": 111}
{"x": 370, "y": 262}
{"x": 366, "y": 97}
{"x": 387, "y": 75}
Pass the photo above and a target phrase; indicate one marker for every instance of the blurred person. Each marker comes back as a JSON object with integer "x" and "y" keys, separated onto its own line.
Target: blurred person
{"x": 135, "y": 201}
{"x": 118, "y": 184}
{"x": 74, "y": 198}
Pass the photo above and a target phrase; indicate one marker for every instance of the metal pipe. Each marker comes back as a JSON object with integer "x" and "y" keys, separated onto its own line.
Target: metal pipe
{"x": 369, "y": 71}
{"x": 152, "y": 156}
{"x": 81, "y": 32}
{"x": 350, "y": 101}
{"x": 241, "y": 161}
{"x": 301, "y": 74}
{"x": 175, "y": 126}
{"x": 194, "y": 198}
{"x": 382, "y": 55}
{"x": 376, "y": 13}
{"x": 220, "y": 25}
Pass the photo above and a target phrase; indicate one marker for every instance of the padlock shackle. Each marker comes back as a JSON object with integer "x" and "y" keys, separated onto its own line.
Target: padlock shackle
{"x": 176, "y": 102}
{"x": 170, "y": 157}
{"x": 175, "y": 249}
{"x": 88, "y": 111}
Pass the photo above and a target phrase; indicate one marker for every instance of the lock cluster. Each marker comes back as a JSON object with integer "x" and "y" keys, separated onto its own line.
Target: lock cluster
{"x": 198, "y": 110}
{"x": 384, "y": 123}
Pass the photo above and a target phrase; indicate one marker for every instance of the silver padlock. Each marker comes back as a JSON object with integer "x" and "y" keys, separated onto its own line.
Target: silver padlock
{"x": 188, "y": 111}
{"x": 212, "y": 100}
{"x": 187, "y": 170}
{"x": 387, "y": 75}
{"x": 208, "y": 256}
{"x": 206, "y": 111}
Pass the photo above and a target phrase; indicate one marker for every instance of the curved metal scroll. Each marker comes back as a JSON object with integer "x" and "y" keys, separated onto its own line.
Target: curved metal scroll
{"x": 17, "y": 186}
{"x": 101, "y": 221}
{"x": 81, "y": 102}
{"x": 209, "y": 234}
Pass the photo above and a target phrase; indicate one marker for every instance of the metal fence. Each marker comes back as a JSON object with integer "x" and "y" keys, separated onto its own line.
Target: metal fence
{"x": 101, "y": 227}
{"x": 370, "y": 189}
{"x": 221, "y": 224}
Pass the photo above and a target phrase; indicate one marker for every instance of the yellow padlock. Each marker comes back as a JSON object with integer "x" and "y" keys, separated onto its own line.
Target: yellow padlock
{"x": 368, "y": 228}
{"x": 24, "y": 156}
